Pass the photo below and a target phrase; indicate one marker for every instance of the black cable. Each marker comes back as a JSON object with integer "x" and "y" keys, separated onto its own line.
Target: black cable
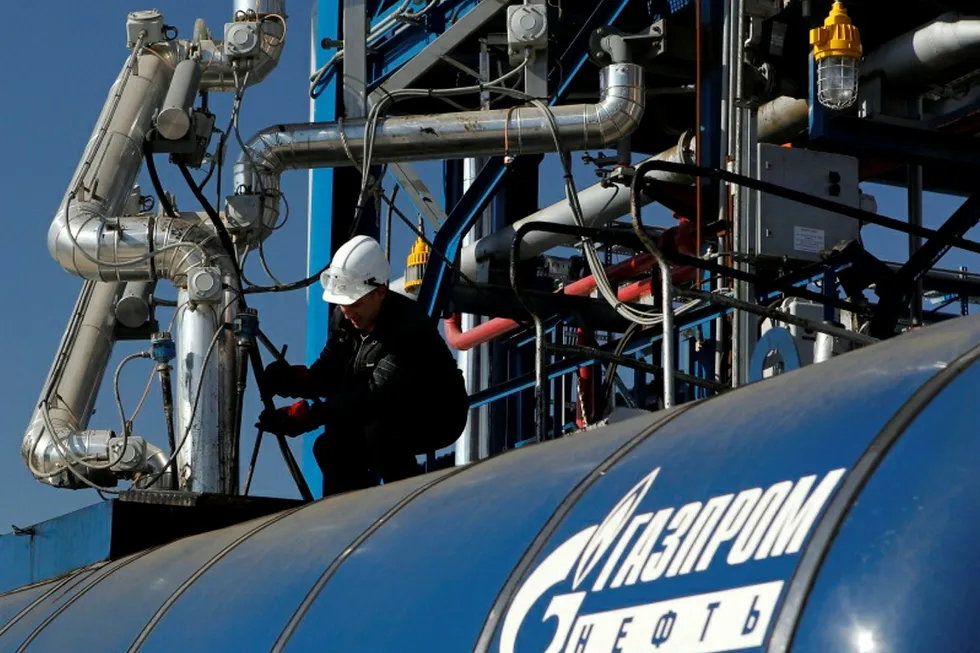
{"x": 613, "y": 369}
{"x": 219, "y": 226}
{"x": 151, "y": 167}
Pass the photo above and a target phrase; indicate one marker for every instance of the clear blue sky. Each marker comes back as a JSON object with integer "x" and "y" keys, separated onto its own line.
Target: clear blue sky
{"x": 64, "y": 56}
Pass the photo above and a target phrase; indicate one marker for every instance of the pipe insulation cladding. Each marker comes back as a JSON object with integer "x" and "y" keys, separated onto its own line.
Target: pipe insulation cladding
{"x": 521, "y": 130}
{"x": 918, "y": 55}
{"x": 87, "y": 238}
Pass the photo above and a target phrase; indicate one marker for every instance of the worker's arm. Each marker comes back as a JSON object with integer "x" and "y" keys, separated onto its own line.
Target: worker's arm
{"x": 318, "y": 380}
{"x": 391, "y": 378}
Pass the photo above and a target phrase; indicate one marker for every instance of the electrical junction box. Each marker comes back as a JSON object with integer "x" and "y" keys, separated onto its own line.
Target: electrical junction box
{"x": 785, "y": 228}
{"x": 241, "y": 40}
{"x": 149, "y": 21}
{"x": 804, "y": 338}
{"x": 527, "y": 28}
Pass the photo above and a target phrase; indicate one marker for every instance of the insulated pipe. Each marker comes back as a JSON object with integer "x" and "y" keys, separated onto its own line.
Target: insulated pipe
{"x": 87, "y": 241}
{"x": 71, "y": 388}
{"x": 919, "y": 54}
{"x": 521, "y": 130}
{"x": 217, "y": 71}
{"x": 133, "y": 308}
{"x": 174, "y": 119}
{"x": 103, "y": 182}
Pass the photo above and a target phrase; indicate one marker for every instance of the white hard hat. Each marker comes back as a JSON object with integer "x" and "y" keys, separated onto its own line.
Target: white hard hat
{"x": 358, "y": 267}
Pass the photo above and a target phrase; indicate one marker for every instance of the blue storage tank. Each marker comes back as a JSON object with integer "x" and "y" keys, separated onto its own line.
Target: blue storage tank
{"x": 833, "y": 508}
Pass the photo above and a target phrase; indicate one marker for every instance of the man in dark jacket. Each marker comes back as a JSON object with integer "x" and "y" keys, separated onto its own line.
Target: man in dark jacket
{"x": 390, "y": 385}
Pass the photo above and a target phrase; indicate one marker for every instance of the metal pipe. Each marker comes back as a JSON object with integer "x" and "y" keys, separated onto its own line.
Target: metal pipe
{"x": 919, "y": 54}
{"x": 166, "y": 388}
{"x": 667, "y": 308}
{"x": 133, "y": 308}
{"x": 471, "y": 362}
{"x": 103, "y": 180}
{"x": 217, "y": 71}
{"x": 228, "y": 393}
{"x": 915, "y": 241}
{"x": 71, "y": 387}
{"x": 540, "y": 381}
{"x": 87, "y": 241}
{"x": 198, "y": 454}
{"x": 174, "y": 119}
{"x": 522, "y": 130}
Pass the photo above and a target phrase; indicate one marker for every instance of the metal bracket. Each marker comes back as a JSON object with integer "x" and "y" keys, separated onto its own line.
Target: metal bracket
{"x": 419, "y": 193}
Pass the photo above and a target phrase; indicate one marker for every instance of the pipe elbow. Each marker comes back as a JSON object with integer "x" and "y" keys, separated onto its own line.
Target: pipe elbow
{"x": 77, "y": 226}
{"x": 49, "y": 460}
{"x": 218, "y": 72}
{"x": 622, "y": 101}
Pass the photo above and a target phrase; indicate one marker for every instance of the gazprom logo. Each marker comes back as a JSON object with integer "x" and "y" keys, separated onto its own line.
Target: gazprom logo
{"x": 629, "y": 548}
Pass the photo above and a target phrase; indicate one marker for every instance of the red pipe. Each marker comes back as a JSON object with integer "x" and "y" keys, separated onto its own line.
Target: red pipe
{"x": 463, "y": 341}
{"x": 587, "y": 375}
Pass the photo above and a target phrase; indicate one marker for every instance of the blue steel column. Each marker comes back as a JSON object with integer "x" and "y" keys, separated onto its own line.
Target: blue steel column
{"x": 712, "y": 89}
{"x": 333, "y": 196}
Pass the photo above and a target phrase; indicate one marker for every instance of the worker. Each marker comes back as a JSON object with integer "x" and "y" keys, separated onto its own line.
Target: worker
{"x": 385, "y": 386}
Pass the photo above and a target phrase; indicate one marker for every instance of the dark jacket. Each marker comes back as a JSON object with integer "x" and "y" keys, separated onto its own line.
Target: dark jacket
{"x": 402, "y": 373}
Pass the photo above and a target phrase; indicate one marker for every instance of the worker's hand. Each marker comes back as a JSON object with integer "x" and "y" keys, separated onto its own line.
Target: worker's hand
{"x": 290, "y": 420}
{"x": 286, "y": 380}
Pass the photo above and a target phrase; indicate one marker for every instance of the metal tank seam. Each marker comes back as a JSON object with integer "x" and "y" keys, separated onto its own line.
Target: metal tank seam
{"x": 77, "y": 575}
{"x": 54, "y": 615}
{"x": 805, "y": 574}
{"x": 290, "y": 628}
{"x": 506, "y": 594}
{"x": 193, "y": 578}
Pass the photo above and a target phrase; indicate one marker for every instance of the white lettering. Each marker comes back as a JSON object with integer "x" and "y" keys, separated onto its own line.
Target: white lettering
{"x": 791, "y": 525}
{"x": 611, "y": 527}
{"x": 728, "y": 620}
{"x": 730, "y": 524}
{"x": 629, "y": 572}
{"x": 657, "y": 563}
{"x": 699, "y": 534}
{"x": 755, "y": 528}
{"x": 607, "y": 569}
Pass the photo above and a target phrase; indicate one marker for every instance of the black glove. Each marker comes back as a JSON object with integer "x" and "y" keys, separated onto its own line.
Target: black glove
{"x": 281, "y": 378}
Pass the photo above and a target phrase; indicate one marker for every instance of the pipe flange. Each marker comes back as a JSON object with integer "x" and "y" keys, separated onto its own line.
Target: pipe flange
{"x": 598, "y": 54}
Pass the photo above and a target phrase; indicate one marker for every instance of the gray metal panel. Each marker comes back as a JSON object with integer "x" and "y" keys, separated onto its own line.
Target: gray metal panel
{"x": 798, "y": 231}
{"x": 428, "y": 578}
{"x": 254, "y": 590}
{"x": 12, "y": 603}
{"x": 130, "y": 591}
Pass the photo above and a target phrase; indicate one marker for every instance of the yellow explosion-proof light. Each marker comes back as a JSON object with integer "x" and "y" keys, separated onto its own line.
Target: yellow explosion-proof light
{"x": 837, "y": 51}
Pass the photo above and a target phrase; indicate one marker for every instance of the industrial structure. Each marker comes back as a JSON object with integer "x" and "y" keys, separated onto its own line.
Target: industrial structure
{"x": 707, "y": 500}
